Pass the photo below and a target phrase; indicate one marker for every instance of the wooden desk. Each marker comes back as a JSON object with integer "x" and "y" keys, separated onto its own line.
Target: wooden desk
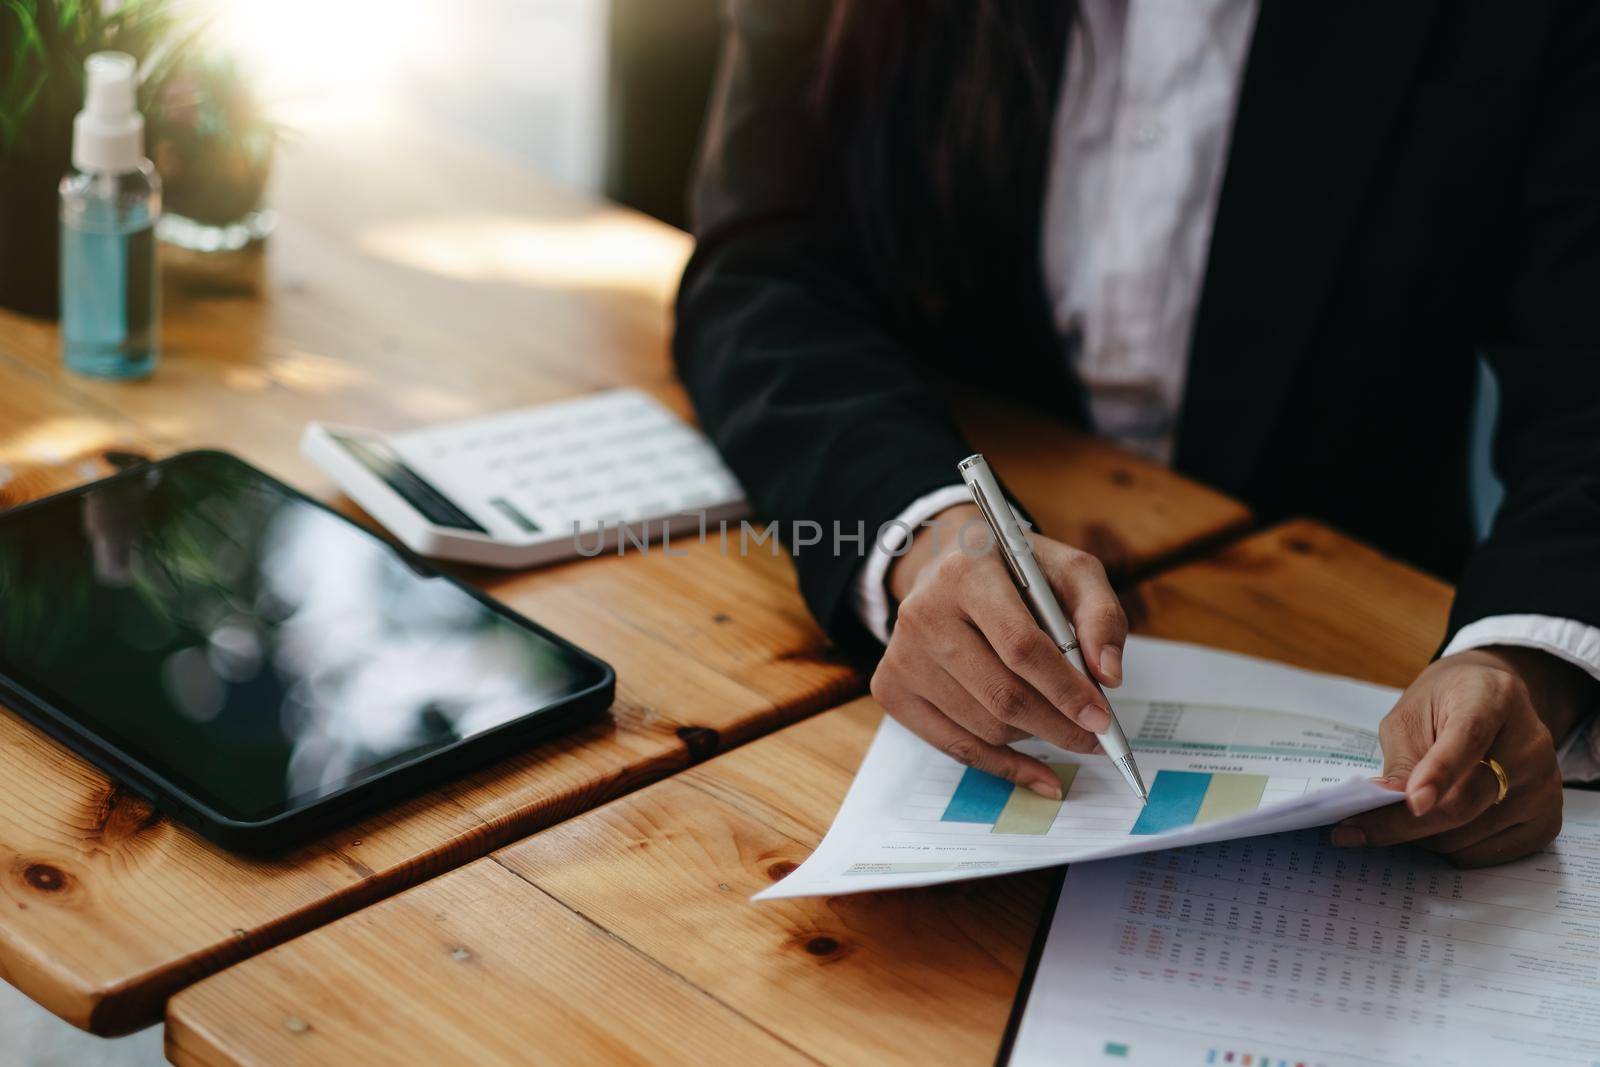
{"x": 627, "y": 934}
{"x": 456, "y": 284}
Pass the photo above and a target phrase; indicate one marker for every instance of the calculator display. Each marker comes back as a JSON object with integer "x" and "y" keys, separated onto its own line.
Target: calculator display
{"x": 415, "y": 490}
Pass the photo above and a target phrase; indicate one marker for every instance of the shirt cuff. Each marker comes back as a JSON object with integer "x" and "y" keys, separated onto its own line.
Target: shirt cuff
{"x": 872, "y": 589}
{"x": 1566, "y": 639}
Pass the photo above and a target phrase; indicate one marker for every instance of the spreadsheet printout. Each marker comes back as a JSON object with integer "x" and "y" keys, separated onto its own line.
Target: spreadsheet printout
{"x": 1230, "y": 747}
{"x": 1287, "y": 951}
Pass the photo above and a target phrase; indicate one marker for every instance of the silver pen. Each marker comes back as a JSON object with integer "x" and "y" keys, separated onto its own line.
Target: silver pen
{"x": 1013, "y": 546}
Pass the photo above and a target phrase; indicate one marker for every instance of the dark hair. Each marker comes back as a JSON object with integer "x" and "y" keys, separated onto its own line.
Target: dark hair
{"x": 939, "y": 112}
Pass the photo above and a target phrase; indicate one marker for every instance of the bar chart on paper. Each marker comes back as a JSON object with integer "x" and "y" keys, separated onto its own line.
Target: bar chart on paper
{"x": 1007, "y": 808}
{"x": 984, "y": 803}
{"x": 915, "y": 816}
{"x": 1184, "y": 798}
{"x": 1210, "y": 763}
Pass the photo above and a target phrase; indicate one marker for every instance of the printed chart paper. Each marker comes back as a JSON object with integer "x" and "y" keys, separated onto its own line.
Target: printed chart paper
{"x": 1286, "y": 952}
{"x": 1229, "y": 746}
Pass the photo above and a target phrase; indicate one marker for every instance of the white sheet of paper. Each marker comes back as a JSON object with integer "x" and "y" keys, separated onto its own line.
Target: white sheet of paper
{"x": 1287, "y": 951}
{"x": 1230, "y": 746}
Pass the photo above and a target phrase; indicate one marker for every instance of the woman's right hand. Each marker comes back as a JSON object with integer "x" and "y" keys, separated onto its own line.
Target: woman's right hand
{"x": 969, "y": 670}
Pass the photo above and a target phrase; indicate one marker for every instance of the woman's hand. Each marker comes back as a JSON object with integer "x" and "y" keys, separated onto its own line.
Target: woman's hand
{"x": 969, "y": 670}
{"x": 1504, "y": 703}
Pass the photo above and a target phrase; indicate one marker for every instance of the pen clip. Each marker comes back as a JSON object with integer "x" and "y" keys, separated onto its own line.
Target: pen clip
{"x": 1002, "y": 543}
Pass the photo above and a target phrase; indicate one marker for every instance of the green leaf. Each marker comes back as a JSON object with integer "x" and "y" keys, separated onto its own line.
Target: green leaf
{"x": 29, "y": 27}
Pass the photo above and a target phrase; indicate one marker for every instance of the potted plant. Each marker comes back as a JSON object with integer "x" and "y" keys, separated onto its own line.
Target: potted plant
{"x": 43, "y": 44}
{"x": 213, "y": 147}
{"x": 213, "y": 143}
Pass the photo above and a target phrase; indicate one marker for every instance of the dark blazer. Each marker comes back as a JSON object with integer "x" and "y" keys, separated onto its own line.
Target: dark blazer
{"x": 1409, "y": 184}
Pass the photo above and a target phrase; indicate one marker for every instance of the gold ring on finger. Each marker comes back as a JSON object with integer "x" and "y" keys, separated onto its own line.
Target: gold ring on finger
{"x": 1499, "y": 776}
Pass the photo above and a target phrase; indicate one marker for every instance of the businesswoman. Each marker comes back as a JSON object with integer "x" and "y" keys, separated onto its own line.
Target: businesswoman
{"x": 1260, "y": 240}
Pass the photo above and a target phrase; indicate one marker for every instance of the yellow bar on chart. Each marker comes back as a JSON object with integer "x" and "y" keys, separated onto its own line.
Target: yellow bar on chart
{"x": 1228, "y": 795}
{"x": 1026, "y": 812}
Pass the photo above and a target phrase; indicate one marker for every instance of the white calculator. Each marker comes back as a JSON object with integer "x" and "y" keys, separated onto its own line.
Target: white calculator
{"x": 538, "y": 485}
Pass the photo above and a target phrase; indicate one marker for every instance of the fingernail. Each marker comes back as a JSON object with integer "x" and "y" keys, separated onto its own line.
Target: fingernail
{"x": 1349, "y": 837}
{"x": 1048, "y": 788}
{"x": 1393, "y": 781}
{"x": 1422, "y": 800}
{"x": 1111, "y": 666}
{"x": 1094, "y": 718}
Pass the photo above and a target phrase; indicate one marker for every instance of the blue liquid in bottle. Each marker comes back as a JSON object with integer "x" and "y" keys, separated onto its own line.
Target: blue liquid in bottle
{"x": 110, "y": 292}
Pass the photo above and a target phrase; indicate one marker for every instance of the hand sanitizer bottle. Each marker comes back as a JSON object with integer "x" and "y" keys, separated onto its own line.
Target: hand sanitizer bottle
{"x": 110, "y": 298}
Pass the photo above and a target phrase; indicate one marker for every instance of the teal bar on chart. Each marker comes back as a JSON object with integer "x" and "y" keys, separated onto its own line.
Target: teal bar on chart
{"x": 979, "y": 797}
{"x": 1175, "y": 799}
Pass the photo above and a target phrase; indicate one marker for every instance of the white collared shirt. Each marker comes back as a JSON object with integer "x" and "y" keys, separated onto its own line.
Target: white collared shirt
{"x": 1139, "y": 147}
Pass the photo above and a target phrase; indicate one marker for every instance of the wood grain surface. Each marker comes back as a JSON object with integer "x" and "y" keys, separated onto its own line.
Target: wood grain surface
{"x": 458, "y": 285}
{"x": 910, "y": 977}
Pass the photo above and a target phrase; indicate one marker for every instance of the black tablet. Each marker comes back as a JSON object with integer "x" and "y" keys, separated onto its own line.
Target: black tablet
{"x": 255, "y": 664}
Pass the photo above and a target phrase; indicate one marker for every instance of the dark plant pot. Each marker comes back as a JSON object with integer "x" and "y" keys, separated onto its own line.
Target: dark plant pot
{"x": 212, "y": 179}
{"x": 29, "y": 234}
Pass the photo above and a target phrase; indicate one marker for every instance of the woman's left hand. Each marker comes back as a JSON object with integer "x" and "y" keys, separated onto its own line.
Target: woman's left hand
{"x": 1499, "y": 703}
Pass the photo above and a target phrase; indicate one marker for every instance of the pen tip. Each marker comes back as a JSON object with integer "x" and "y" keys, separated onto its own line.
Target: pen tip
{"x": 1130, "y": 772}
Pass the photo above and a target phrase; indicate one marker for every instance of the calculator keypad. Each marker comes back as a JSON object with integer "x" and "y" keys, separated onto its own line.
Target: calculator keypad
{"x": 618, "y": 457}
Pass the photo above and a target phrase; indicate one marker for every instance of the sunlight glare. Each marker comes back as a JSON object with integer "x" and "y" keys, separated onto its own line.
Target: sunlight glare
{"x": 55, "y": 440}
{"x": 322, "y": 56}
{"x": 605, "y": 249}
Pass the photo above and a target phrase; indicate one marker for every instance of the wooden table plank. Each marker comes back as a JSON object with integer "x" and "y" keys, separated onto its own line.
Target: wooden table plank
{"x": 647, "y": 1008}
{"x": 459, "y": 284}
{"x": 907, "y": 977}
